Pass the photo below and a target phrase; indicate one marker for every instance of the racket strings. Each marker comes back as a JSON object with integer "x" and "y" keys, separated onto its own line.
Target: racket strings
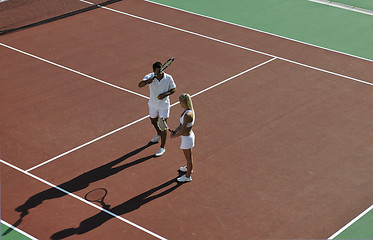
{"x": 96, "y": 195}
{"x": 162, "y": 125}
{"x": 166, "y": 64}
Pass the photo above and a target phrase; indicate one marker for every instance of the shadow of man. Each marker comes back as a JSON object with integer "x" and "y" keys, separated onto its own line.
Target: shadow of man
{"x": 126, "y": 207}
{"x": 80, "y": 182}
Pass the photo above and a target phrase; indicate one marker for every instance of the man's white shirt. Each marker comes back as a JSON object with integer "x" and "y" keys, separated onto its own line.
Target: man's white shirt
{"x": 158, "y": 87}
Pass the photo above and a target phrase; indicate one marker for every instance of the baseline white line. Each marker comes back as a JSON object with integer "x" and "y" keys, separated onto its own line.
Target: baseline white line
{"x": 143, "y": 118}
{"x": 83, "y": 200}
{"x": 257, "y": 30}
{"x": 87, "y": 143}
{"x": 351, "y": 222}
{"x": 72, "y": 70}
{"x": 18, "y": 230}
{"x": 232, "y": 44}
{"x": 344, "y": 6}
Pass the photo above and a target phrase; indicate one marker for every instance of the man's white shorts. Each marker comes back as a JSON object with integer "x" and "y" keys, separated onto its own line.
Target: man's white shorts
{"x": 155, "y": 112}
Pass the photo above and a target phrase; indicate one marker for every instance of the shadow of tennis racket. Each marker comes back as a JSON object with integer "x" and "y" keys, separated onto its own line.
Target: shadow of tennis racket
{"x": 97, "y": 195}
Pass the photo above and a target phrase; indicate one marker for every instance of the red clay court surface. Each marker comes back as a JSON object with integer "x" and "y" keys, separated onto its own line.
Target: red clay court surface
{"x": 283, "y": 148}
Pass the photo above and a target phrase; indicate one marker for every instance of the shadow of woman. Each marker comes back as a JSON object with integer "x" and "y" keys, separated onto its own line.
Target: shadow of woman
{"x": 126, "y": 207}
{"x": 80, "y": 182}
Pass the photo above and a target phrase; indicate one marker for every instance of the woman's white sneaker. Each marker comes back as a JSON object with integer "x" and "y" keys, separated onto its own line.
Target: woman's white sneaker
{"x": 184, "y": 178}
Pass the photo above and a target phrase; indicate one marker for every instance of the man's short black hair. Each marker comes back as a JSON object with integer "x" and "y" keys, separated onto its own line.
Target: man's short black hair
{"x": 157, "y": 65}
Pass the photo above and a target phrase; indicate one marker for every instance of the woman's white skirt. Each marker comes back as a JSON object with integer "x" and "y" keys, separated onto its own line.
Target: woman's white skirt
{"x": 187, "y": 142}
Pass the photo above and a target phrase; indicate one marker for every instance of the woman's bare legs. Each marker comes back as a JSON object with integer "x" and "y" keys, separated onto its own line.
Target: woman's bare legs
{"x": 189, "y": 157}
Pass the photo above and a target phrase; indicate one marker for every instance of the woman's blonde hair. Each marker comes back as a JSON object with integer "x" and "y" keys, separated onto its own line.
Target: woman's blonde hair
{"x": 187, "y": 100}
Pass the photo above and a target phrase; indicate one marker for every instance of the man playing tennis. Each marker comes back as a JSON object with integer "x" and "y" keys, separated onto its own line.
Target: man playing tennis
{"x": 161, "y": 86}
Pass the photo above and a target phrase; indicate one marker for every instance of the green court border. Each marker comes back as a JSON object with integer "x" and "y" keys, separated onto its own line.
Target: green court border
{"x": 360, "y": 227}
{"x": 312, "y": 23}
{"x": 14, "y": 234}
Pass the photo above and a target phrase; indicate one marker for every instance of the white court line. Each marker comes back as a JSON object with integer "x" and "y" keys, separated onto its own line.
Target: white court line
{"x": 350, "y": 223}
{"x": 344, "y": 6}
{"x": 18, "y": 230}
{"x": 257, "y": 30}
{"x": 232, "y": 44}
{"x": 72, "y": 70}
{"x": 83, "y": 200}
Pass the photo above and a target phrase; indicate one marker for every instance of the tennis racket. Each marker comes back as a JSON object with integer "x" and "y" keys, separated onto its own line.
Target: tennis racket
{"x": 166, "y": 64}
{"x": 97, "y": 195}
{"x": 162, "y": 125}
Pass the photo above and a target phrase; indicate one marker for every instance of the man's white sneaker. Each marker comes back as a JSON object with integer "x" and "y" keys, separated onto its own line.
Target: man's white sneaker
{"x": 160, "y": 152}
{"x": 184, "y": 169}
{"x": 155, "y": 139}
{"x": 184, "y": 178}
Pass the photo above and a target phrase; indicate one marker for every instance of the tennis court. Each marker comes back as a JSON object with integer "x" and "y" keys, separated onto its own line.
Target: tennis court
{"x": 283, "y": 125}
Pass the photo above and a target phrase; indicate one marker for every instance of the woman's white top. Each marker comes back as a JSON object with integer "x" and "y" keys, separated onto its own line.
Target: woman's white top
{"x": 191, "y": 123}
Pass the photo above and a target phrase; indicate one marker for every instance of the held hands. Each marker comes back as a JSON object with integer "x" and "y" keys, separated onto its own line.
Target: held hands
{"x": 173, "y": 134}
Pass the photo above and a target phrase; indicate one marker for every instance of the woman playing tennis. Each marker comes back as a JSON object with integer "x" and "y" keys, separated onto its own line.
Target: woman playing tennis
{"x": 184, "y": 130}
